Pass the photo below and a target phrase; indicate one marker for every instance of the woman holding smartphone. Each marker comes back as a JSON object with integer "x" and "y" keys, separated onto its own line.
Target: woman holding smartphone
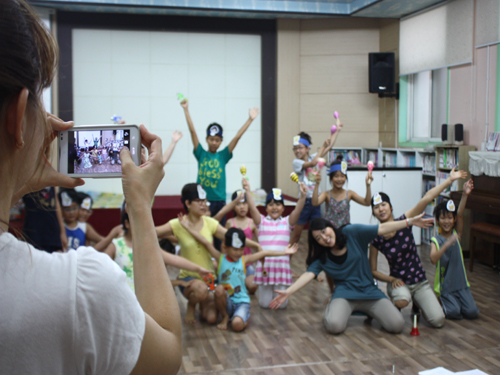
{"x": 72, "y": 313}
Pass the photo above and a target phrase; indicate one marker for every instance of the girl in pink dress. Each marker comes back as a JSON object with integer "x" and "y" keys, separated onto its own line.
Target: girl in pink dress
{"x": 274, "y": 234}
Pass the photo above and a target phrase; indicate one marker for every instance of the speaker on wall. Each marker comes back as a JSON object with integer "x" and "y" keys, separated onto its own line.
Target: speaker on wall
{"x": 381, "y": 71}
{"x": 459, "y": 134}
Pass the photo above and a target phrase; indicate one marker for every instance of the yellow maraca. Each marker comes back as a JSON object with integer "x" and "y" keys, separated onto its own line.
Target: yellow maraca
{"x": 294, "y": 177}
{"x": 243, "y": 171}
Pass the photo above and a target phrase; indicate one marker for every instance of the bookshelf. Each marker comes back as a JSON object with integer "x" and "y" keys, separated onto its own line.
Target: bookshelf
{"x": 449, "y": 157}
{"x": 352, "y": 155}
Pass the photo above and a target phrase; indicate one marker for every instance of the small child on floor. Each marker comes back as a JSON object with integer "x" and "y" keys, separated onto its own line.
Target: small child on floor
{"x": 231, "y": 295}
{"x": 274, "y": 234}
{"x": 242, "y": 221}
{"x": 451, "y": 283}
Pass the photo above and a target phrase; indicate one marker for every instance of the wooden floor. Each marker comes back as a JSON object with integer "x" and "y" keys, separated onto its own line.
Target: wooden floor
{"x": 293, "y": 341}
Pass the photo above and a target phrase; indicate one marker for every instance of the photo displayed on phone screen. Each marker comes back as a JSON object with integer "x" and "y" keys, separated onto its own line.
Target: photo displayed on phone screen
{"x": 96, "y": 151}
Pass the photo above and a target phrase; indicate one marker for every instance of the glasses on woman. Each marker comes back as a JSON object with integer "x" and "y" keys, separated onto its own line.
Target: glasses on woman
{"x": 201, "y": 201}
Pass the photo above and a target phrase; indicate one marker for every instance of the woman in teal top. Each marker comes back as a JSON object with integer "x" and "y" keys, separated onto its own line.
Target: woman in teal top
{"x": 341, "y": 253}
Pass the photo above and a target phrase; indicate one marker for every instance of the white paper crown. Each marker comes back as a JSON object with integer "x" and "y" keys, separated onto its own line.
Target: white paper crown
{"x": 66, "y": 200}
{"x": 343, "y": 167}
{"x": 296, "y": 140}
{"x": 277, "y": 194}
{"x": 202, "y": 194}
{"x": 377, "y": 199}
{"x": 87, "y": 203}
{"x": 242, "y": 193}
{"x": 450, "y": 206}
{"x": 236, "y": 242}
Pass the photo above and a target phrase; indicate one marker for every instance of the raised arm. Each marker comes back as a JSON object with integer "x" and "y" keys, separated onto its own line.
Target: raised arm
{"x": 152, "y": 284}
{"x": 254, "y": 212}
{"x": 434, "y": 193}
{"x": 62, "y": 229}
{"x": 164, "y": 231}
{"x": 368, "y": 196}
{"x": 252, "y": 114}
{"x": 194, "y": 136}
{"x": 468, "y": 187}
{"x": 316, "y": 201}
{"x": 290, "y": 250}
{"x": 180, "y": 262}
{"x": 227, "y": 208}
{"x": 295, "y": 215}
{"x": 283, "y": 295}
{"x": 393, "y": 226}
{"x": 333, "y": 137}
{"x": 176, "y": 136}
{"x": 104, "y": 242}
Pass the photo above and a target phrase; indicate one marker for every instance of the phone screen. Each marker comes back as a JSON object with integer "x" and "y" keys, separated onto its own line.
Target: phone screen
{"x": 96, "y": 151}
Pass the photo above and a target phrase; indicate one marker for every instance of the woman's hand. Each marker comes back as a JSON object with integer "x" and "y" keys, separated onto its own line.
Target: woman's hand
{"x": 396, "y": 283}
{"x": 140, "y": 183}
{"x": 369, "y": 178}
{"x": 279, "y": 300}
{"x": 46, "y": 175}
{"x": 176, "y": 136}
{"x": 291, "y": 249}
{"x": 455, "y": 175}
{"x": 203, "y": 272}
{"x": 420, "y": 222}
{"x": 183, "y": 220}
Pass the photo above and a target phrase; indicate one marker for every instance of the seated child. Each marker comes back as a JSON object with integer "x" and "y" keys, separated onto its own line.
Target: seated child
{"x": 451, "y": 283}
{"x": 77, "y": 232}
{"x": 231, "y": 295}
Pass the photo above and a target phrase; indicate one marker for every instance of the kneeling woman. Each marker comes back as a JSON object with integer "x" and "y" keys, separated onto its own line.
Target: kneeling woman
{"x": 341, "y": 253}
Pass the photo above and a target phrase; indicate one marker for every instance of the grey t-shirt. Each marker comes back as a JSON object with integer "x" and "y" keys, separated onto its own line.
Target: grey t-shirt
{"x": 450, "y": 270}
{"x": 307, "y": 176}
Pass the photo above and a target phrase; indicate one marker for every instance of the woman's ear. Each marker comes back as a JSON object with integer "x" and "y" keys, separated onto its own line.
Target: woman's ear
{"x": 15, "y": 115}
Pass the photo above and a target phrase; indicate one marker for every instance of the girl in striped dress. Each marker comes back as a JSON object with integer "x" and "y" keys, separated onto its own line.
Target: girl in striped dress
{"x": 274, "y": 234}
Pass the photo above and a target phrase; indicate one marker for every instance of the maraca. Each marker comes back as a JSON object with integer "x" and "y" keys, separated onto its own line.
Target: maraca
{"x": 321, "y": 163}
{"x": 294, "y": 177}
{"x": 180, "y": 97}
{"x": 243, "y": 171}
{"x": 370, "y": 166}
{"x": 334, "y": 127}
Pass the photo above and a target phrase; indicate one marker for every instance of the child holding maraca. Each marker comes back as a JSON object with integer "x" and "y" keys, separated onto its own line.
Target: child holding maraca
{"x": 307, "y": 167}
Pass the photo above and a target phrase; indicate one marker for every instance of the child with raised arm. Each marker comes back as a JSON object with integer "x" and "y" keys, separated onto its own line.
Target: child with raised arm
{"x": 231, "y": 295}
{"x": 212, "y": 163}
{"x": 274, "y": 234}
{"x": 451, "y": 284}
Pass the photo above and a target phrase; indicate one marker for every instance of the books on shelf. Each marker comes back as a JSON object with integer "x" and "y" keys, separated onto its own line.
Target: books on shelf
{"x": 427, "y": 185}
{"x": 448, "y": 158}
{"x": 493, "y": 143}
{"x": 409, "y": 161}
{"x": 373, "y": 156}
{"x": 390, "y": 159}
{"x": 441, "y": 177}
{"x": 350, "y": 156}
{"x": 429, "y": 164}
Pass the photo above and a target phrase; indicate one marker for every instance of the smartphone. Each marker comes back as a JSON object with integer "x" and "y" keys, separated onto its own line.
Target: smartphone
{"x": 93, "y": 151}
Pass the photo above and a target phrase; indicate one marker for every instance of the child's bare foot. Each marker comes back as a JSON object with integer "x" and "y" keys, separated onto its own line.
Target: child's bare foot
{"x": 190, "y": 318}
{"x": 223, "y": 325}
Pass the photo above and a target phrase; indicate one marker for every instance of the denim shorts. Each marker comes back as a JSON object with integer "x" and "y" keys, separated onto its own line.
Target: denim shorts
{"x": 309, "y": 212}
{"x": 238, "y": 309}
{"x": 250, "y": 270}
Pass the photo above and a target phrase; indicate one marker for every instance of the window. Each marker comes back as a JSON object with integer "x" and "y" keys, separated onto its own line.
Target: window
{"x": 427, "y": 105}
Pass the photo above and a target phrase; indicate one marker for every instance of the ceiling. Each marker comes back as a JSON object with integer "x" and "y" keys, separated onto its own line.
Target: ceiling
{"x": 249, "y": 8}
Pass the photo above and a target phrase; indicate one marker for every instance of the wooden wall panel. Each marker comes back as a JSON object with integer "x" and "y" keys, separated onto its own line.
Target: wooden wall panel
{"x": 339, "y": 37}
{"x": 288, "y": 104}
{"x": 334, "y": 74}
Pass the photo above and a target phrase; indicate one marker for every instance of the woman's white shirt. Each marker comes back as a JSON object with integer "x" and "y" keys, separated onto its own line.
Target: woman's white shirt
{"x": 70, "y": 313}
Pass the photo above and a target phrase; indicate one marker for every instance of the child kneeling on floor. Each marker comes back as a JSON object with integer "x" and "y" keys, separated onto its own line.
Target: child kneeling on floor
{"x": 231, "y": 295}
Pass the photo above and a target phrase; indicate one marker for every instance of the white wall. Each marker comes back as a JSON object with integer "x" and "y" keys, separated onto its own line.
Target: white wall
{"x": 137, "y": 75}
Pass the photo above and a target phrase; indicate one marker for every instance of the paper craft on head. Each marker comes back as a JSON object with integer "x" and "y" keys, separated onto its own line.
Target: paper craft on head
{"x": 87, "y": 203}
{"x": 450, "y": 206}
{"x": 66, "y": 200}
{"x": 296, "y": 140}
{"x": 343, "y": 167}
{"x": 377, "y": 199}
{"x": 236, "y": 242}
{"x": 241, "y": 193}
{"x": 214, "y": 130}
{"x": 202, "y": 194}
{"x": 277, "y": 194}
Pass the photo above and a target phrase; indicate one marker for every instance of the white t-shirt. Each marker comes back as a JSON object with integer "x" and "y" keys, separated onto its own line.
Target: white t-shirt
{"x": 308, "y": 176}
{"x": 70, "y": 313}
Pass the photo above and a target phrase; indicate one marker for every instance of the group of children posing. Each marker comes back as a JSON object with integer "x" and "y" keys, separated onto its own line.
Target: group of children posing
{"x": 335, "y": 246}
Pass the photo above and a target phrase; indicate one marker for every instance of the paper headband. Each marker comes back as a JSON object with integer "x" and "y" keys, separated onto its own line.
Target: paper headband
{"x": 235, "y": 238}
{"x": 380, "y": 198}
{"x": 86, "y": 203}
{"x": 297, "y": 140}
{"x": 214, "y": 130}
{"x": 450, "y": 206}
{"x": 200, "y": 193}
{"x": 66, "y": 199}
{"x": 338, "y": 167}
{"x": 274, "y": 194}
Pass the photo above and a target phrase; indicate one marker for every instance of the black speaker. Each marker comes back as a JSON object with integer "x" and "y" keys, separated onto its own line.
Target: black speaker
{"x": 444, "y": 134}
{"x": 459, "y": 134}
{"x": 381, "y": 71}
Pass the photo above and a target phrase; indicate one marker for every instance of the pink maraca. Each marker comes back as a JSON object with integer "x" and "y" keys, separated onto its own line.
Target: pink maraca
{"x": 333, "y": 129}
{"x": 336, "y": 114}
{"x": 321, "y": 163}
{"x": 370, "y": 166}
